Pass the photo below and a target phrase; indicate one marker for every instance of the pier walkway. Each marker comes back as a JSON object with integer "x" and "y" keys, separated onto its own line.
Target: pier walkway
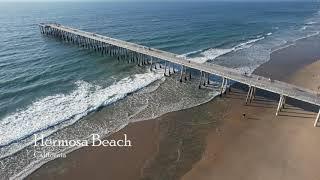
{"x": 121, "y": 49}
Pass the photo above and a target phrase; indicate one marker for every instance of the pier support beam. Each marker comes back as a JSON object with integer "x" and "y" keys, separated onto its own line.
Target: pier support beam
{"x": 224, "y": 80}
{"x": 249, "y": 93}
{"x": 280, "y": 104}
{"x": 185, "y": 74}
{"x": 253, "y": 94}
{"x": 200, "y": 79}
{"x": 226, "y": 86}
{"x": 165, "y": 68}
{"x": 317, "y": 119}
{"x": 181, "y": 73}
{"x": 284, "y": 102}
{"x": 151, "y": 64}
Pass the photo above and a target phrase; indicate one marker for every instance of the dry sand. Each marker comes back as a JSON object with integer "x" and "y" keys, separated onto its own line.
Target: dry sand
{"x": 261, "y": 146}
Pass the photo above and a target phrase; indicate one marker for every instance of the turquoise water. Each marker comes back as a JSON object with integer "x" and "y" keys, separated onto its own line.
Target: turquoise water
{"x": 47, "y": 85}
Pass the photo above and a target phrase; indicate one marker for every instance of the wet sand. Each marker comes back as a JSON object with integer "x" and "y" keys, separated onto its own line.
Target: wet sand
{"x": 213, "y": 140}
{"x": 285, "y": 62}
{"x": 106, "y": 162}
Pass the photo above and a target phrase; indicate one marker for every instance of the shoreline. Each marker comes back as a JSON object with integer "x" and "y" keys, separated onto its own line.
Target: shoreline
{"x": 297, "y": 56}
{"x": 261, "y": 69}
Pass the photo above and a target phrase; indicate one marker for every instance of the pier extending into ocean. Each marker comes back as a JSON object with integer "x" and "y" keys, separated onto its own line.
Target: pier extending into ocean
{"x": 142, "y": 55}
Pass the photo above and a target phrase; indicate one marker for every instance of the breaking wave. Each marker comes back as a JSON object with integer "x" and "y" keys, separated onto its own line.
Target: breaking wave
{"x": 213, "y": 53}
{"x": 68, "y": 108}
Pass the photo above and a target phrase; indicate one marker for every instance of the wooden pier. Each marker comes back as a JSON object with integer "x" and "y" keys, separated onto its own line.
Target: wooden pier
{"x": 143, "y": 55}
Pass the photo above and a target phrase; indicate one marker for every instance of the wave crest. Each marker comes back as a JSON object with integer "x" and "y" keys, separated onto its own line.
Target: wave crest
{"x": 213, "y": 53}
{"x": 53, "y": 110}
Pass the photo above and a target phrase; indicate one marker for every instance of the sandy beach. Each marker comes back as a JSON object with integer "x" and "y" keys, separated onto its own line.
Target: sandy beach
{"x": 262, "y": 145}
{"x": 214, "y": 140}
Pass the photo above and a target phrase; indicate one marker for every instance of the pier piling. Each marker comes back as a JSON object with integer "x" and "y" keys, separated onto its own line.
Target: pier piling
{"x": 151, "y": 64}
{"x": 248, "y": 95}
{"x": 165, "y": 68}
{"x": 185, "y": 74}
{"x": 317, "y": 119}
{"x": 253, "y": 94}
{"x": 200, "y": 82}
{"x": 222, "y": 86}
{"x": 181, "y": 73}
{"x": 280, "y": 105}
{"x": 284, "y": 102}
{"x": 225, "y": 86}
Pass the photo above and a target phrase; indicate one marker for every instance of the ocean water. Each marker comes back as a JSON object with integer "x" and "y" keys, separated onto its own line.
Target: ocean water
{"x": 66, "y": 92}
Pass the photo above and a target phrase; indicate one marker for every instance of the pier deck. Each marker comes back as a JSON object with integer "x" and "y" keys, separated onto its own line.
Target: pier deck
{"x": 278, "y": 87}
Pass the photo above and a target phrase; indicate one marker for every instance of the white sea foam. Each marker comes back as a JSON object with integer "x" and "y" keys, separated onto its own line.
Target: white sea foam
{"x": 308, "y": 36}
{"x": 210, "y": 54}
{"x": 247, "y": 69}
{"x": 53, "y": 110}
{"x": 213, "y": 53}
{"x": 311, "y": 23}
{"x": 192, "y": 52}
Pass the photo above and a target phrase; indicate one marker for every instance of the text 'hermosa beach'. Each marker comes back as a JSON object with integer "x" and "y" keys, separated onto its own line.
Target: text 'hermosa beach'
{"x": 40, "y": 140}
